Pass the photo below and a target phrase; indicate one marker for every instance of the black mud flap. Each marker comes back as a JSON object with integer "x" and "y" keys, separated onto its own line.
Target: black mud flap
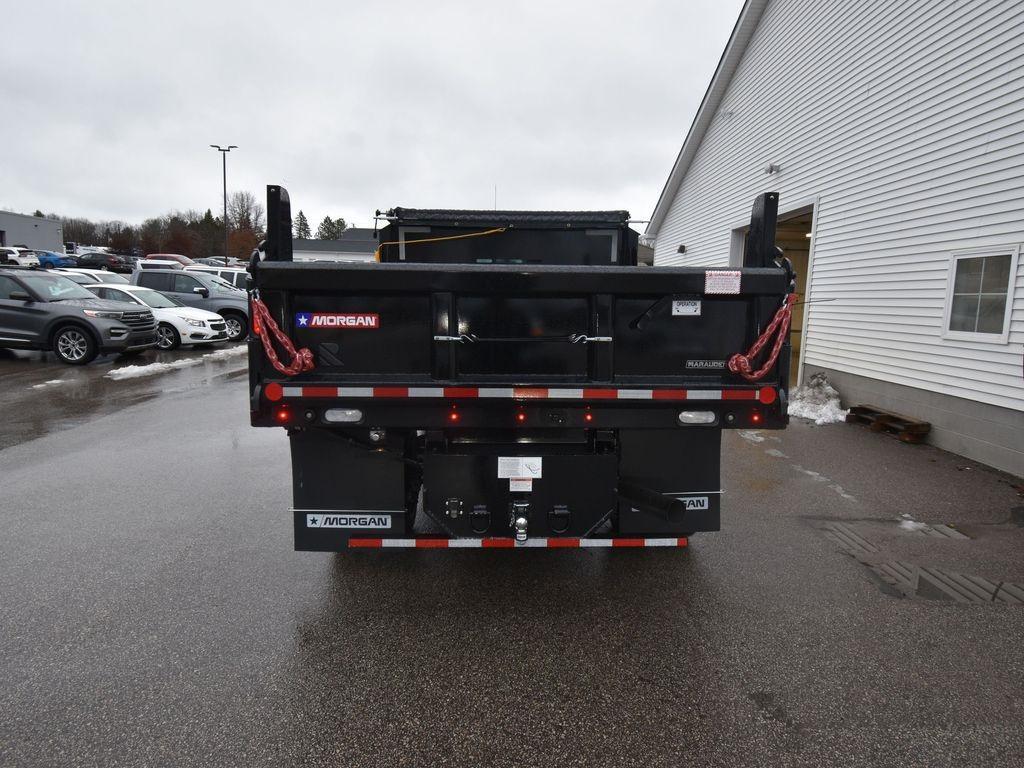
{"x": 341, "y": 489}
{"x": 682, "y": 466}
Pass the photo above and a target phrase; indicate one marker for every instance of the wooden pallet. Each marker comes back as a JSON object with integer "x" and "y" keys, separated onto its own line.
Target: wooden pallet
{"x": 879, "y": 420}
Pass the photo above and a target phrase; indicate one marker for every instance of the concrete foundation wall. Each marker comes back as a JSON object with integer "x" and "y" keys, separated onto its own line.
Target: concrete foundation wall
{"x": 985, "y": 433}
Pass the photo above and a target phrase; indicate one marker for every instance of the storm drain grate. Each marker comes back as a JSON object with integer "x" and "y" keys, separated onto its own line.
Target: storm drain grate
{"x": 848, "y": 539}
{"x": 917, "y": 581}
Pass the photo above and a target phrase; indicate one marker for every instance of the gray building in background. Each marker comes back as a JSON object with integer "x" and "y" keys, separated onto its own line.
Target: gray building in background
{"x": 31, "y": 232}
{"x": 355, "y": 244}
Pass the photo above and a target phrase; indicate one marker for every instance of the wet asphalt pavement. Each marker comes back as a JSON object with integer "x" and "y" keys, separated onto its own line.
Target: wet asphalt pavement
{"x": 153, "y": 611}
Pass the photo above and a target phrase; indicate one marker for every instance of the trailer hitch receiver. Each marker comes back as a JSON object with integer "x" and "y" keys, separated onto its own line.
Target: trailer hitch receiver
{"x": 520, "y": 520}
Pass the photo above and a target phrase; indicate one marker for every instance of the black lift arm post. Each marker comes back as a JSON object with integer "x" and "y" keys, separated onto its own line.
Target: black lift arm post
{"x": 760, "y": 250}
{"x": 279, "y": 224}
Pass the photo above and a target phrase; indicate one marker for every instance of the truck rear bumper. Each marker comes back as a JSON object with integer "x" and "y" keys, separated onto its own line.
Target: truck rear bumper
{"x": 436, "y": 542}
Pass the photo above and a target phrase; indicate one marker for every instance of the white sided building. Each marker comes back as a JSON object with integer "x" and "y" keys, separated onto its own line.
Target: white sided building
{"x": 894, "y": 133}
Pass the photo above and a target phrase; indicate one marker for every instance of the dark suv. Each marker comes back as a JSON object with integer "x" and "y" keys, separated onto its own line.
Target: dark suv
{"x": 110, "y": 261}
{"x": 42, "y": 310}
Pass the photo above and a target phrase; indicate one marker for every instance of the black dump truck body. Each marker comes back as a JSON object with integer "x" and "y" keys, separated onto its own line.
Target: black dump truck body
{"x": 513, "y": 377}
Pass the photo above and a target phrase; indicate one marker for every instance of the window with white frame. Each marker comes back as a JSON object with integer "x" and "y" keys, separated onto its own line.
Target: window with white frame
{"x": 980, "y": 294}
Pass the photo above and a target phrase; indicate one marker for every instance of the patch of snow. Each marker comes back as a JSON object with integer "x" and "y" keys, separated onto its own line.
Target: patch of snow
{"x": 842, "y": 491}
{"x": 223, "y": 354}
{"x": 776, "y": 453}
{"x": 50, "y": 383}
{"x": 752, "y": 436}
{"x": 818, "y": 402}
{"x": 139, "y": 371}
{"x": 913, "y": 525}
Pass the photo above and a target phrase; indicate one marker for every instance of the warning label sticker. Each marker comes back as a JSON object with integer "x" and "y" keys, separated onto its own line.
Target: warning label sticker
{"x": 520, "y": 485}
{"x": 520, "y": 467}
{"x": 722, "y": 281}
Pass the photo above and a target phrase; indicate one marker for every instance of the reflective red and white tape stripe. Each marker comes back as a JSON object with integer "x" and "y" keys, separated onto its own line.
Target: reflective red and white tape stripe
{"x": 428, "y": 542}
{"x": 765, "y": 395}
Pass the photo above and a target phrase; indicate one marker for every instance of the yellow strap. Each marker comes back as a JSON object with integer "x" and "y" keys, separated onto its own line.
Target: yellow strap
{"x": 376, "y": 253}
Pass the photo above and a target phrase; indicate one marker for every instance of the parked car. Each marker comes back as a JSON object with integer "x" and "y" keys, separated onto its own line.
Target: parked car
{"x": 203, "y": 291}
{"x": 183, "y": 260}
{"x": 44, "y": 310}
{"x": 111, "y": 261}
{"x": 91, "y": 276}
{"x": 18, "y": 256}
{"x": 157, "y": 264}
{"x": 231, "y": 275}
{"x": 176, "y": 324}
{"x": 50, "y": 259}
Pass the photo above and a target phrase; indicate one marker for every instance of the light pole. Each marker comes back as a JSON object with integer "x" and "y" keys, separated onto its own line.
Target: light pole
{"x": 224, "y": 155}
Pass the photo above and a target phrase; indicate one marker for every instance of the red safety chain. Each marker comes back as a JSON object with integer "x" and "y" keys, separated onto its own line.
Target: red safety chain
{"x": 302, "y": 360}
{"x": 780, "y": 324}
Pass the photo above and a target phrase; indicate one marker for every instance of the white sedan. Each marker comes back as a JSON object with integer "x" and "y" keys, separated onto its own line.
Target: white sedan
{"x": 176, "y": 323}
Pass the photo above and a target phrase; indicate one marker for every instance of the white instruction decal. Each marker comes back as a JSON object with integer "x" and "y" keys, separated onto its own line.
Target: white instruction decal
{"x": 686, "y": 307}
{"x": 695, "y": 502}
{"x": 361, "y": 520}
{"x": 722, "y": 281}
{"x": 520, "y": 467}
{"x": 517, "y": 484}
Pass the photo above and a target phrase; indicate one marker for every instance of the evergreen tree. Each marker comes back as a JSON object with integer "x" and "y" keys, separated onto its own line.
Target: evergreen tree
{"x": 326, "y": 229}
{"x": 302, "y": 227}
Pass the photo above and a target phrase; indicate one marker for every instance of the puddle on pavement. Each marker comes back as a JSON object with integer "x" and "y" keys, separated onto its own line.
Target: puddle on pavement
{"x": 41, "y": 397}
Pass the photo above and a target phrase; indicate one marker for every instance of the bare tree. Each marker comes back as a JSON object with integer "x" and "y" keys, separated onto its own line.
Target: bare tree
{"x": 245, "y": 212}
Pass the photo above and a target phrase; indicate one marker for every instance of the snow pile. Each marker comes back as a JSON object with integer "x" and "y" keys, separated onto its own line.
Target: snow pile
{"x": 138, "y": 371}
{"x": 818, "y": 401}
{"x": 223, "y": 354}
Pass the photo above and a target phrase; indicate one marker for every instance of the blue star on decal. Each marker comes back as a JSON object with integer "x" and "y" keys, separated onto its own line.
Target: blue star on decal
{"x": 302, "y": 319}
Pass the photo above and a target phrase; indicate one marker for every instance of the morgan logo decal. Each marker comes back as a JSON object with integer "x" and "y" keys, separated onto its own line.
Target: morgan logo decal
{"x": 699, "y": 503}
{"x": 365, "y": 320}
{"x": 348, "y": 521}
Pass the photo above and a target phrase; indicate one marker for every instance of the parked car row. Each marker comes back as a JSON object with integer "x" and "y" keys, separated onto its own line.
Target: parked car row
{"x": 80, "y": 313}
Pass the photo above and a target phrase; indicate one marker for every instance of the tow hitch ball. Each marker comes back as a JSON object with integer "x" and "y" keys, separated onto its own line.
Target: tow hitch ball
{"x": 519, "y": 519}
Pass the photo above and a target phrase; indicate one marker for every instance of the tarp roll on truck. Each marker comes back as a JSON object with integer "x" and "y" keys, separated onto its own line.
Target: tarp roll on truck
{"x": 514, "y": 376}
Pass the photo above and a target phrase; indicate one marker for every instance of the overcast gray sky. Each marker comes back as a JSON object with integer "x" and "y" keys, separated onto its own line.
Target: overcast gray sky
{"x": 108, "y": 107}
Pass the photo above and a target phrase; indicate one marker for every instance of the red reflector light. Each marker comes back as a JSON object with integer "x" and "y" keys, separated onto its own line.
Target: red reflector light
{"x": 282, "y": 415}
{"x": 273, "y": 391}
{"x": 755, "y": 417}
{"x": 453, "y": 416}
{"x": 520, "y": 417}
{"x": 588, "y": 417}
